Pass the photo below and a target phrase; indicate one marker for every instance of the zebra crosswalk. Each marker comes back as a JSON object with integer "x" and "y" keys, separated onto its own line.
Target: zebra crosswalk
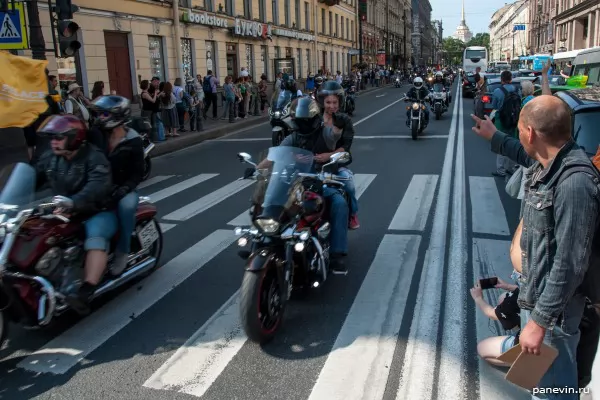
{"x": 372, "y": 344}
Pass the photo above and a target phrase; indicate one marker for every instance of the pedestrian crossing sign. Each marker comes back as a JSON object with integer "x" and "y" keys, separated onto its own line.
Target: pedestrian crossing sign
{"x": 13, "y": 35}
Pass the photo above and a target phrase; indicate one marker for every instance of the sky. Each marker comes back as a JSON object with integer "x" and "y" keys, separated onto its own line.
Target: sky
{"x": 477, "y": 14}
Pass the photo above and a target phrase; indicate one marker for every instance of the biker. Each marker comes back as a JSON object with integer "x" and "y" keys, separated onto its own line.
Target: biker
{"x": 79, "y": 175}
{"x": 309, "y": 136}
{"x": 332, "y": 99}
{"x": 125, "y": 151}
{"x": 439, "y": 78}
{"x": 416, "y": 93}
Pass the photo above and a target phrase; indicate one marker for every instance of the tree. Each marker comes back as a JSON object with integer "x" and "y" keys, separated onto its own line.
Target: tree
{"x": 453, "y": 50}
{"x": 480, "y": 39}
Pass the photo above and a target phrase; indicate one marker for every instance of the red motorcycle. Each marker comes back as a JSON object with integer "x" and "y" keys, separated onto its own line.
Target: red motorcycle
{"x": 41, "y": 253}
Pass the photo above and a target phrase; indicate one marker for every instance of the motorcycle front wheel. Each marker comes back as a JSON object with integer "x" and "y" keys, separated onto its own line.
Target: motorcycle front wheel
{"x": 277, "y": 137}
{"x": 147, "y": 168}
{"x": 414, "y": 130}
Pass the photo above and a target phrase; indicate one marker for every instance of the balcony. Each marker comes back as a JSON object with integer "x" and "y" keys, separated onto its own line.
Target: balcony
{"x": 330, "y": 3}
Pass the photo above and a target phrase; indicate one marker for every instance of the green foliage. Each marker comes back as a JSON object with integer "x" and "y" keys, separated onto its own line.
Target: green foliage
{"x": 480, "y": 39}
{"x": 453, "y": 50}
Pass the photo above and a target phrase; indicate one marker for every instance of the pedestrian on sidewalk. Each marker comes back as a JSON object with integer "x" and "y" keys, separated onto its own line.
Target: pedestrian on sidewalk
{"x": 262, "y": 92}
{"x": 209, "y": 86}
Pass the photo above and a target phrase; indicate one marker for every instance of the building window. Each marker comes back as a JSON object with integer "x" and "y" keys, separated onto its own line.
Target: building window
{"x": 187, "y": 58}
{"x": 306, "y": 16}
{"x": 264, "y": 59}
{"x": 277, "y": 53}
{"x": 229, "y": 7}
{"x": 352, "y": 30}
{"x": 308, "y": 61}
{"x": 297, "y": 23}
{"x": 342, "y": 22}
{"x": 262, "y": 10}
{"x": 337, "y": 33}
{"x": 250, "y": 59}
{"x": 299, "y": 58}
{"x": 330, "y": 23}
{"x": 348, "y": 28}
{"x": 275, "y": 11}
{"x": 210, "y": 56}
{"x": 286, "y": 11}
{"x": 157, "y": 61}
{"x": 323, "y": 21}
{"x": 248, "y": 9}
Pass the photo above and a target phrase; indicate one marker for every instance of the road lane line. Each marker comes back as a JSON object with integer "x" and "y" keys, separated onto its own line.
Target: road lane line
{"x": 180, "y": 186}
{"x": 154, "y": 180}
{"x": 377, "y": 112}
{"x": 361, "y": 182}
{"x": 413, "y": 211}
{"x": 164, "y": 227}
{"x": 488, "y": 212}
{"x": 417, "y": 378}
{"x": 359, "y": 137}
{"x": 452, "y": 383}
{"x": 204, "y": 203}
{"x": 358, "y": 365}
{"x": 66, "y": 350}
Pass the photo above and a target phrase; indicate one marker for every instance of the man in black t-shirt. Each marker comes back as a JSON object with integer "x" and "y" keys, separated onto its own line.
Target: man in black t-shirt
{"x": 566, "y": 71}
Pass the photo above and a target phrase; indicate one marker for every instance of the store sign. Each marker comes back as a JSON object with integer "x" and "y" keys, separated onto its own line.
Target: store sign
{"x": 252, "y": 29}
{"x": 204, "y": 19}
{"x": 294, "y": 34}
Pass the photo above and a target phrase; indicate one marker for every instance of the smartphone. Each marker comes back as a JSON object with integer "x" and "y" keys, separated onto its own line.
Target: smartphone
{"x": 488, "y": 283}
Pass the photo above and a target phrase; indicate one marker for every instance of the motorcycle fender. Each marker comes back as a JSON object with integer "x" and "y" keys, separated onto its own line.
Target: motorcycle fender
{"x": 148, "y": 149}
{"x": 260, "y": 259}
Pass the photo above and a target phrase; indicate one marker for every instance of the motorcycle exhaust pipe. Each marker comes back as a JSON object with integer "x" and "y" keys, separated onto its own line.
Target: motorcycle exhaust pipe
{"x": 148, "y": 149}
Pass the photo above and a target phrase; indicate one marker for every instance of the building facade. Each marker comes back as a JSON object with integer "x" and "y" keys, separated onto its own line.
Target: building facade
{"x": 506, "y": 43}
{"x": 131, "y": 40}
{"x": 421, "y": 34}
{"x": 385, "y": 33}
{"x": 437, "y": 37}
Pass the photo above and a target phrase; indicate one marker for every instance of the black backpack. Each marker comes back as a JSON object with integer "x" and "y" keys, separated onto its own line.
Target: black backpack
{"x": 510, "y": 110}
{"x": 206, "y": 86}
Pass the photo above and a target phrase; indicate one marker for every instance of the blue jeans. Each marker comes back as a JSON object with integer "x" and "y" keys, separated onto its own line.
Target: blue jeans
{"x": 564, "y": 338}
{"x": 126, "y": 214}
{"x": 350, "y": 188}
{"x": 338, "y": 218}
{"x": 99, "y": 230}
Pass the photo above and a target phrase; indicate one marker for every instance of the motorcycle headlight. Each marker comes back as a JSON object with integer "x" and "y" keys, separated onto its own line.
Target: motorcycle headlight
{"x": 268, "y": 225}
{"x": 415, "y": 106}
{"x": 277, "y": 114}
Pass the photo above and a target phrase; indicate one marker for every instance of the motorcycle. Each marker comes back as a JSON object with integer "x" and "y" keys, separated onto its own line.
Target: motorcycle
{"x": 144, "y": 128}
{"x": 350, "y": 100}
{"x": 41, "y": 253}
{"x": 416, "y": 122}
{"x": 289, "y": 239}
{"x": 280, "y": 118}
{"x": 397, "y": 83}
{"x": 439, "y": 103}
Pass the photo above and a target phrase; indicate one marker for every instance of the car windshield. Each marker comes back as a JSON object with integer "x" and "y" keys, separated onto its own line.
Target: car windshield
{"x": 586, "y": 131}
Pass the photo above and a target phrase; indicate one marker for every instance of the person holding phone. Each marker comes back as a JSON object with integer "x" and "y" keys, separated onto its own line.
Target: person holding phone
{"x": 507, "y": 312}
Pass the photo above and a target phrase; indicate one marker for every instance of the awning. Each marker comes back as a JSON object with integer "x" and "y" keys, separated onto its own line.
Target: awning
{"x": 566, "y": 54}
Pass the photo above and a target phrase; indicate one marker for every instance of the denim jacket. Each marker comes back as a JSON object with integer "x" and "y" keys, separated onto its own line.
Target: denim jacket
{"x": 559, "y": 222}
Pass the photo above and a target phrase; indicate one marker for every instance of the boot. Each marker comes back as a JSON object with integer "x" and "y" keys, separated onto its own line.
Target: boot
{"x": 80, "y": 300}
{"x": 337, "y": 265}
{"x": 119, "y": 263}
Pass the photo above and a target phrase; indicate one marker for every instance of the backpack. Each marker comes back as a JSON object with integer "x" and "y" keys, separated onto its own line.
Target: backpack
{"x": 510, "y": 110}
{"x": 206, "y": 86}
{"x": 590, "y": 287}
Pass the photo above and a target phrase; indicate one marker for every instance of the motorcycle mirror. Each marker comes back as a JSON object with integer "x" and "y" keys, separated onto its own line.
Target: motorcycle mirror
{"x": 340, "y": 157}
{"x": 244, "y": 157}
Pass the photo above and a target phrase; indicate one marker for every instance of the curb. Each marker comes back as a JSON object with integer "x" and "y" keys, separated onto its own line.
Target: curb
{"x": 173, "y": 145}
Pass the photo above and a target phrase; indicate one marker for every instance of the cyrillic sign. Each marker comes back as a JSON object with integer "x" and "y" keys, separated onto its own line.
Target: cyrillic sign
{"x": 294, "y": 34}
{"x": 252, "y": 29}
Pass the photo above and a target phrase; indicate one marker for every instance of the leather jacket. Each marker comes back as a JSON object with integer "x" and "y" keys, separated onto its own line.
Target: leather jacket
{"x": 85, "y": 179}
{"x": 414, "y": 93}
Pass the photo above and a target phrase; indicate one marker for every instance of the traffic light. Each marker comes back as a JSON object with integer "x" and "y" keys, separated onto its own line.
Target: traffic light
{"x": 67, "y": 28}
{"x": 362, "y": 10}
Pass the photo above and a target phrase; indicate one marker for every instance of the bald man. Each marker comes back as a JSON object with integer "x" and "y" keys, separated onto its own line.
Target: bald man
{"x": 560, "y": 215}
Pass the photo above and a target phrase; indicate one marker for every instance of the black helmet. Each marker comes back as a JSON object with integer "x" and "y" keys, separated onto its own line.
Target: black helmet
{"x": 306, "y": 114}
{"x": 330, "y": 88}
{"x": 111, "y": 111}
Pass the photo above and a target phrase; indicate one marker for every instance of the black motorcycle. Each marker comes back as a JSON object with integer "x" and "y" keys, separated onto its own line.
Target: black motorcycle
{"x": 416, "y": 122}
{"x": 351, "y": 100}
{"x": 289, "y": 239}
{"x": 144, "y": 128}
{"x": 280, "y": 118}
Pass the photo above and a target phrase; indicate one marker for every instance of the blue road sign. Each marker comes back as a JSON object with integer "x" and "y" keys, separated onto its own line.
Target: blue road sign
{"x": 13, "y": 34}
{"x": 518, "y": 27}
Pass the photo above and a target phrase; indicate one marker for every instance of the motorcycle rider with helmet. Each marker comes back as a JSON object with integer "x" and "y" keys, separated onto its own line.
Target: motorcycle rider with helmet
{"x": 125, "y": 152}
{"x": 332, "y": 100}
{"x": 309, "y": 135}
{"x": 415, "y": 93}
{"x": 439, "y": 78}
{"x": 79, "y": 175}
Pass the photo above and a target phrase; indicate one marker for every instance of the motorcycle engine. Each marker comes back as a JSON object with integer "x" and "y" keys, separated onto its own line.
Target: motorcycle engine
{"x": 47, "y": 265}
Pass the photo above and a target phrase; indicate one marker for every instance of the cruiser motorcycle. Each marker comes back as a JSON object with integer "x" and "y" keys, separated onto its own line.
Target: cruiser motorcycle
{"x": 42, "y": 253}
{"x": 288, "y": 239}
{"x": 416, "y": 123}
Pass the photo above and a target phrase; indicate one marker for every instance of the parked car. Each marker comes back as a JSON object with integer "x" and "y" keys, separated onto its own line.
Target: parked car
{"x": 483, "y": 104}
{"x": 585, "y": 110}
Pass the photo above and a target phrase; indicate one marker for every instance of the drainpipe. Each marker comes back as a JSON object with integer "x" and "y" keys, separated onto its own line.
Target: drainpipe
{"x": 177, "y": 43}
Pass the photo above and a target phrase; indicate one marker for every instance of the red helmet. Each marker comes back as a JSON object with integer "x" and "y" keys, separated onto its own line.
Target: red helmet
{"x": 67, "y": 125}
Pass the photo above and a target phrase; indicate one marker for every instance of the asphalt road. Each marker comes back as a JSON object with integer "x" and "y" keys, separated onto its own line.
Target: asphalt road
{"x": 400, "y": 325}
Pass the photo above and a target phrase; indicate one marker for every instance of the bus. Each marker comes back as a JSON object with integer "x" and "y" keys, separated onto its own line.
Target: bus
{"x": 473, "y": 57}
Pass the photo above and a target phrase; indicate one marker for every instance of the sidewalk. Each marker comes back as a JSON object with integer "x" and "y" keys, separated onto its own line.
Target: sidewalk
{"x": 13, "y": 149}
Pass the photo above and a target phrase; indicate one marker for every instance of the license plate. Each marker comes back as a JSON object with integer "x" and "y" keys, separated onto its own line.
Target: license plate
{"x": 148, "y": 235}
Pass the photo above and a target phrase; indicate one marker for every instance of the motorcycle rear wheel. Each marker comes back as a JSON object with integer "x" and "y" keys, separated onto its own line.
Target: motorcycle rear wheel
{"x": 261, "y": 304}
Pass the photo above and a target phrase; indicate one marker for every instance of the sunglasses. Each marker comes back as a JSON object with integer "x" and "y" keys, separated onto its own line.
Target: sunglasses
{"x": 58, "y": 137}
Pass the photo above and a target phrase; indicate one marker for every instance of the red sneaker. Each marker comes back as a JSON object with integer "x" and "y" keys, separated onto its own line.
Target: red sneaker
{"x": 353, "y": 223}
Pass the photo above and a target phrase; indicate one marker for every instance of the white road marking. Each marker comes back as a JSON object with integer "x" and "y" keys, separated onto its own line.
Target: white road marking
{"x": 154, "y": 180}
{"x": 417, "y": 380}
{"x": 413, "y": 211}
{"x": 357, "y": 137}
{"x": 179, "y": 187}
{"x": 164, "y": 227}
{"x": 488, "y": 211}
{"x": 204, "y": 203}
{"x": 66, "y": 350}
{"x": 359, "y": 363}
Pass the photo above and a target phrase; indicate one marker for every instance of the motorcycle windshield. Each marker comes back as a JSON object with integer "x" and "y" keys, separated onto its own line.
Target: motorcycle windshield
{"x": 18, "y": 185}
{"x": 438, "y": 87}
{"x": 284, "y": 98}
{"x": 276, "y": 187}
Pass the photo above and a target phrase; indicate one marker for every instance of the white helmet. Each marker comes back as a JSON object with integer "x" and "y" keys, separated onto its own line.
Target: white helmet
{"x": 418, "y": 82}
{"x": 440, "y": 74}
